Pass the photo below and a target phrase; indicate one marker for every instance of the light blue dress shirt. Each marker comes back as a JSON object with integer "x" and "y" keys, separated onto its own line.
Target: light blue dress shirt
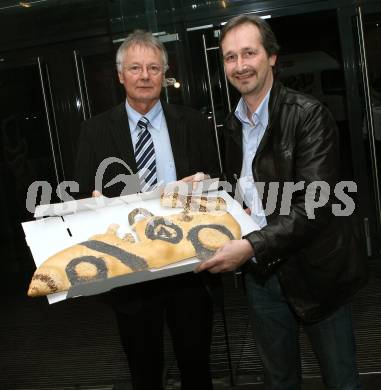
{"x": 165, "y": 164}
{"x": 252, "y": 133}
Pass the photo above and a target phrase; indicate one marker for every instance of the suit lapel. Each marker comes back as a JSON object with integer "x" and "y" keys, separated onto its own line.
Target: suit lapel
{"x": 234, "y": 127}
{"x": 273, "y": 115}
{"x": 120, "y": 131}
{"x": 177, "y": 135}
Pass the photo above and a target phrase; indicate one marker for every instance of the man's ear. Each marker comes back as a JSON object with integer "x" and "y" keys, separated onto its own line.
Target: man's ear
{"x": 163, "y": 81}
{"x": 273, "y": 59}
{"x": 120, "y": 77}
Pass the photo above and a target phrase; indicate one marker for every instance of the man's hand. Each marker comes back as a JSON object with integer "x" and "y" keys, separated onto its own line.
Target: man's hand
{"x": 228, "y": 258}
{"x": 196, "y": 178}
{"x": 96, "y": 194}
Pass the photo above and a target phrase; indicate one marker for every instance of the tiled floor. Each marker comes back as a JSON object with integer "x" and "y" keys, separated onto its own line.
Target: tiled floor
{"x": 74, "y": 344}
{"x": 245, "y": 359}
{"x": 368, "y": 381}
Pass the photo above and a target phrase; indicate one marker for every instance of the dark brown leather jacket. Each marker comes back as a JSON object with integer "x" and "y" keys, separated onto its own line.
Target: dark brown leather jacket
{"x": 318, "y": 260}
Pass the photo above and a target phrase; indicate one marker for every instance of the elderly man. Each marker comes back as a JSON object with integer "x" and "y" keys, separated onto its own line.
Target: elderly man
{"x": 162, "y": 143}
{"x": 301, "y": 266}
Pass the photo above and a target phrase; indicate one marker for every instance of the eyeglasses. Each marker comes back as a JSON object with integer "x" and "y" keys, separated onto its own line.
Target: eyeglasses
{"x": 152, "y": 69}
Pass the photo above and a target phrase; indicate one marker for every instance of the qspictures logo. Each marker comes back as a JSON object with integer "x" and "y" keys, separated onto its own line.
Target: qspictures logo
{"x": 316, "y": 194}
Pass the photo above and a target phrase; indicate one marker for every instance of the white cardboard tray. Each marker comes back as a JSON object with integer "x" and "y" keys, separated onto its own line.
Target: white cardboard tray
{"x": 72, "y": 222}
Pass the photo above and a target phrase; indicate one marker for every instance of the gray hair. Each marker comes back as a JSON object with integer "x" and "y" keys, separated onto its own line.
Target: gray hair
{"x": 144, "y": 39}
{"x": 269, "y": 40}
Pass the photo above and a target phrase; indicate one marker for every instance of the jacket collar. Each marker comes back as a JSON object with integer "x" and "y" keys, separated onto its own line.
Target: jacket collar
{"x": 176, "y": 130}
{"x": 122, "y": 137}
{"x": 274, "y": 105}
{"x": 234, "y": 126}
{"x": 120, "y": 130}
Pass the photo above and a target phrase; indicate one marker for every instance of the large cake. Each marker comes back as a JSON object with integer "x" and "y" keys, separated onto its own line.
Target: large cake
{"x": 161, "y": 241}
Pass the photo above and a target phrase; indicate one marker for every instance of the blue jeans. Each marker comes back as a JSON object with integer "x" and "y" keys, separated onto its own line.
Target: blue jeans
{"x": 276, "y": 331}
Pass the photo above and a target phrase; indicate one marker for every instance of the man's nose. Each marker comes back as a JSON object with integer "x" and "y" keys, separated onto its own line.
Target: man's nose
{"x": 240, "y": 64}
{"x": 144, "y": 73}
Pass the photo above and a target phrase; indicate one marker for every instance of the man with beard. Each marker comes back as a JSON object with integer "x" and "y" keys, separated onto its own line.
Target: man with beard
{"x": 297, "y": 269}
{"x": 161, "y": 143}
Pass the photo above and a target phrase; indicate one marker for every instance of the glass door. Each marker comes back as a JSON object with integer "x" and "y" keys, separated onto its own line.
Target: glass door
{"x": 367, "y": 24}
{"x": 97, "y": 82}
{"x": 175, "y": 89}
{"x": 27, "y": 140}
{"x": 209, "y": 87}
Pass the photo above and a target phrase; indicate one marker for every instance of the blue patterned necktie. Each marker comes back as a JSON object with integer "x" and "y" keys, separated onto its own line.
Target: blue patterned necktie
{"x": 145, "y": 157}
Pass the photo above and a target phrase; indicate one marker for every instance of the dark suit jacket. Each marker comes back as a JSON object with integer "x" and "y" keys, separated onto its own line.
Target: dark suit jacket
{"x": 108, "y": 135}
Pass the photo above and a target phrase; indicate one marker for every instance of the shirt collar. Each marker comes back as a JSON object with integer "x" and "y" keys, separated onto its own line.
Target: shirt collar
{"x": 153, "y": 115}
{"x": 261, "y": 115}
